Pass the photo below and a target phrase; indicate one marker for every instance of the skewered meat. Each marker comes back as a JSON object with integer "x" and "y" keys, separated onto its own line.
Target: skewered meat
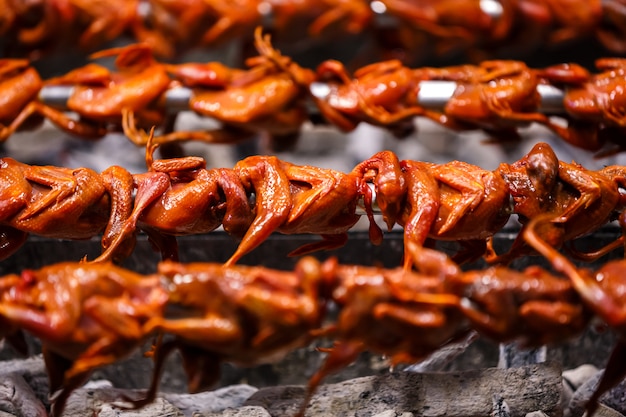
{"x": 453, "y": 201}
{"x": 601, "y": 291}
{"x": 273, "y": 98}
{"x": 86, "y": 315}
{"x": 474, "y": 26}
{"x": 89, "y": 315}
{"x": 101, "y": 98}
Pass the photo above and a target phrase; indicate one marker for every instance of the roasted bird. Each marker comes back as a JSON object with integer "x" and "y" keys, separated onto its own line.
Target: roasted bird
{"x": 272, "y": 95}
{"x": 476, "y": 27}
{"x": 261, "y": 195}
{"x": 88, "y": 315}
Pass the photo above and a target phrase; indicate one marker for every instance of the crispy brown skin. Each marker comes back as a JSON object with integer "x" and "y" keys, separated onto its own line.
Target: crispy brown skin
{"x": 89, "y": 315}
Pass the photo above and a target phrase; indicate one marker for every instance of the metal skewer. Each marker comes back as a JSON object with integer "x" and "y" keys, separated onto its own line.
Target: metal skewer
{"x": 432, "y": 95}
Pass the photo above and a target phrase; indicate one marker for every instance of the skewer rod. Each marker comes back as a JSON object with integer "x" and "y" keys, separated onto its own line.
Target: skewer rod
{"x": 56, "y": 96}
{"x": 177, "y": 99}
{"x": 435, "y": 94}
{"x": 551, "y": 99}
{"x": 432, "y": 95}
